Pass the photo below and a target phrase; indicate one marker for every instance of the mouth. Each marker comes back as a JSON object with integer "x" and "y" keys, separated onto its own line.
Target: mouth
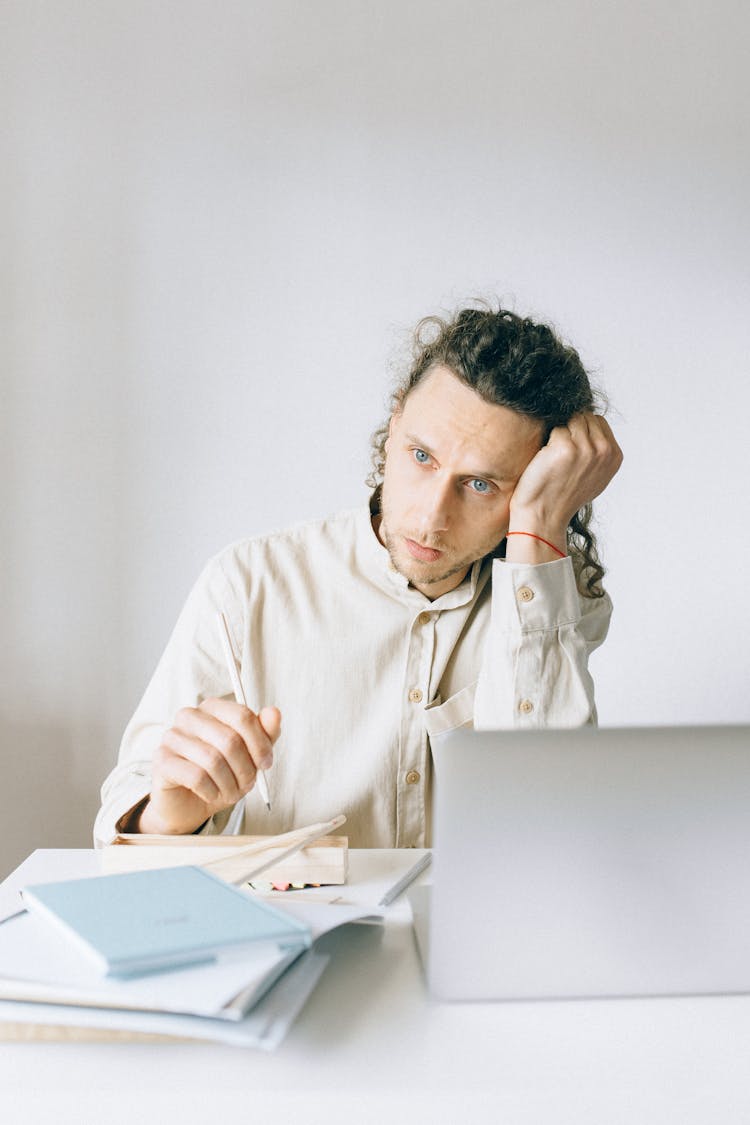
{"x": 422, "y": 554}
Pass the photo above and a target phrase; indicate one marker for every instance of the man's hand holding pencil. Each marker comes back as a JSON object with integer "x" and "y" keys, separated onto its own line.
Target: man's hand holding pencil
{"x": 210, "y": 757}
{"x": 207, "y": 761}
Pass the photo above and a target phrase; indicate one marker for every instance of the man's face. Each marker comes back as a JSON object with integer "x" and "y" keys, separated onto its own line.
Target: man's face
{"x": 452, "y": 463}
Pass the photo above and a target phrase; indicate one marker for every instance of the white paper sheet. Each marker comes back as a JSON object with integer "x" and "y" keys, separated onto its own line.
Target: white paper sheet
{"x": 264, "y": 1027}
{"x": 38, "y": 965}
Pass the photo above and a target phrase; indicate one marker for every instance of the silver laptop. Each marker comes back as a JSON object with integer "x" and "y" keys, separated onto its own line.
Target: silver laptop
{"x": 589, "y": 863}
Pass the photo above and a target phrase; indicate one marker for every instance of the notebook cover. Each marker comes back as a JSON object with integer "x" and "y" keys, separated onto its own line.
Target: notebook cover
{"x": 141, "y": 921}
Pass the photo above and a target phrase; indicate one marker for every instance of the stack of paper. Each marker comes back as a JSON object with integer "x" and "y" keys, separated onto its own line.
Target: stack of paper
{"x": 173, "y": 952}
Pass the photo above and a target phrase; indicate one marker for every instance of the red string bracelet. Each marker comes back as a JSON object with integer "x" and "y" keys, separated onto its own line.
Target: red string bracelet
{"x": 546, "y": 542}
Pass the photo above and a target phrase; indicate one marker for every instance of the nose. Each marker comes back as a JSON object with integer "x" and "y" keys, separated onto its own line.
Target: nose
{"x": 434, "y": 515}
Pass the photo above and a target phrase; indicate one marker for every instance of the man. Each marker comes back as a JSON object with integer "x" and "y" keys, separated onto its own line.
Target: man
{"x": 468, "y": 591}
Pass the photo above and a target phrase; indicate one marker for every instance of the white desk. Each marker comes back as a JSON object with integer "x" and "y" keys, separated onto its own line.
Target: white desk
{"x": 370, "y": 1046}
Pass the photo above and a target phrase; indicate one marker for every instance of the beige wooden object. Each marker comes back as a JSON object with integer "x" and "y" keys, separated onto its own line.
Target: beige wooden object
{"x": 324, "y": 862}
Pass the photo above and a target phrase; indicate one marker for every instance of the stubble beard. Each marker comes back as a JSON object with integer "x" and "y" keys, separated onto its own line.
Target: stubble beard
{"x": 420, "y": 574}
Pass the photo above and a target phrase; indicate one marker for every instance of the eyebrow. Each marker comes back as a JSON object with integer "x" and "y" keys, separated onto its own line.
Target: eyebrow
{"x": 487, "y": 474}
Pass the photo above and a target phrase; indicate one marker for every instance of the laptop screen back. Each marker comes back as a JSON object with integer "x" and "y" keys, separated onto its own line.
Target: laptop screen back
{"x": 591, "y": 863}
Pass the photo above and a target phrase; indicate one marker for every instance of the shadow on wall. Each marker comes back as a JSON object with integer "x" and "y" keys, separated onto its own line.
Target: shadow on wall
{"x": 44, "y": 802}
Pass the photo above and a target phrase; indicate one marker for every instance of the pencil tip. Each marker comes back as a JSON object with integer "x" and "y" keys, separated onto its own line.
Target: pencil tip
{"x": 268, "y": 806}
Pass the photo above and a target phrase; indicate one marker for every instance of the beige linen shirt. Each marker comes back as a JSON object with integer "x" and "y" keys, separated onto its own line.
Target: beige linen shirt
{"x": 367, "y": 672}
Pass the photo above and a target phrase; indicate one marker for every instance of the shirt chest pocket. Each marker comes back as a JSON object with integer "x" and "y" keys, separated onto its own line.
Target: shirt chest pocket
{"x": 457, "y": 711}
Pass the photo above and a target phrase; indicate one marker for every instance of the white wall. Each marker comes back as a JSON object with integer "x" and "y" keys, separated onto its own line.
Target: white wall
{"x": 218, "y": 221}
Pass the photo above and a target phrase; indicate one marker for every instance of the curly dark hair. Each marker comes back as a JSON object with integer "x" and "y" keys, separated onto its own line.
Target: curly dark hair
{"x": 511, "y": 361}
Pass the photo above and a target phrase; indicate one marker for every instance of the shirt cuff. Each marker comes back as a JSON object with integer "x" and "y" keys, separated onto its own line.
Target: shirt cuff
{"x": 535, "y": 597}
{"x": 112, "y": 811}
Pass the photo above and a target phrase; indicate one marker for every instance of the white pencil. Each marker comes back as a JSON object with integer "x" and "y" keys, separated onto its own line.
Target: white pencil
{"x": 285, "y": 839}
{"x": 310, "y": 836}
{"x": 406, "y": 880}
{"x": 239, "y": 693}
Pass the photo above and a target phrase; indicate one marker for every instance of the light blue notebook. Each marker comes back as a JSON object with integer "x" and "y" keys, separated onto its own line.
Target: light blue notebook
{"x": 143, "y": 921}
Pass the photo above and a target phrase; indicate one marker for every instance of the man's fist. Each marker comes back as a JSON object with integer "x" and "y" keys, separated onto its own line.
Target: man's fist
{"x": 574, "y": 467}
{"x": 207, "y": 761}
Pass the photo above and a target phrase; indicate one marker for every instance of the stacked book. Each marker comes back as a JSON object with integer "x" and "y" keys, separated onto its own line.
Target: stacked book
{"x": 172, "y": 951}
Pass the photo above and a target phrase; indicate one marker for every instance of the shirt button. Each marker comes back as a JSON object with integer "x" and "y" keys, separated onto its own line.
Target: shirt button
{"x": 415, "y": 695}
{"x": 525, "y": 706}
{"x": 524, "y": 594}
{"x": 424, "y": 618}
{"x": 412, "y": 777}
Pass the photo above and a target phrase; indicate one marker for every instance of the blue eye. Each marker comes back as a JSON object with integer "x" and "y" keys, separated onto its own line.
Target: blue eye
{"x": 421, "y": 456}
{"x": 479, "y": 486}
